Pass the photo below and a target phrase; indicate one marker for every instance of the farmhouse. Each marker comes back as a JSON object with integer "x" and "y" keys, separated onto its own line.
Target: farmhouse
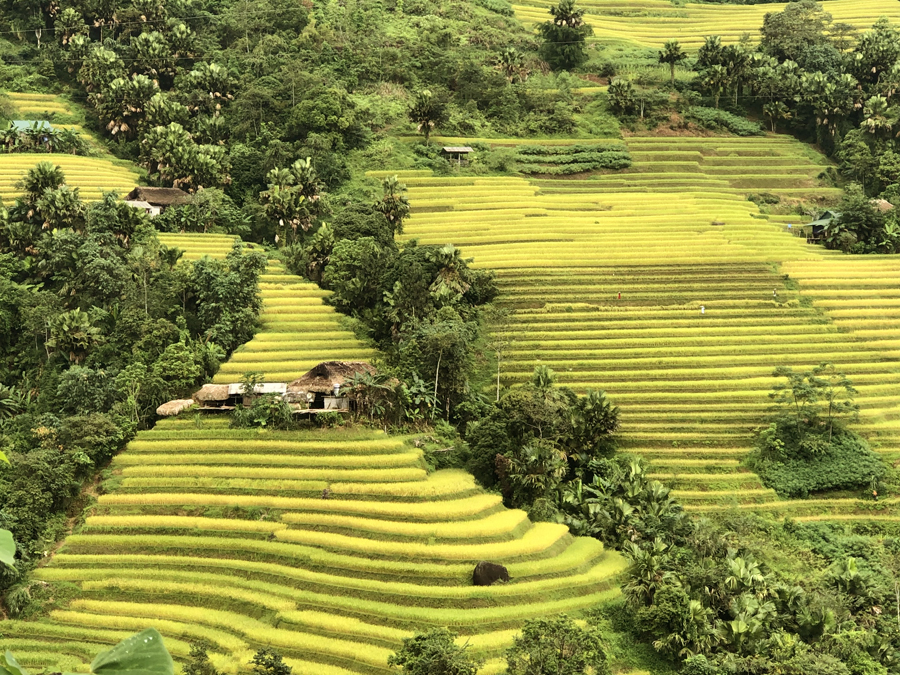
{"x": 155, "y": 200}
{"x": 320, "y": 388}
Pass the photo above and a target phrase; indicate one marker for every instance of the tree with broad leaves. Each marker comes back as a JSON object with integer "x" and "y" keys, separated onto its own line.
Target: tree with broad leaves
{"x": 433, "y": 653}
{"x": 394, "y": 205}
{"x": 557, "y": 646}
{"x": 428, "y": 111}
{"x": 672, "y": 54}
{"x": 41, "y": 177}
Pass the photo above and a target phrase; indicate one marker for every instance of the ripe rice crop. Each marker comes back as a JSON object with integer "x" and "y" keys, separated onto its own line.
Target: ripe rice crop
{"x": 252, "y": 629}
{"x": 185, "y": 522}
{"x": 541, "y": 537}
{"x": 500, "y": 523}
{"x": 184, "y": 630}
{"x": 349, "y": 475}
{"x": 192, "y": 569}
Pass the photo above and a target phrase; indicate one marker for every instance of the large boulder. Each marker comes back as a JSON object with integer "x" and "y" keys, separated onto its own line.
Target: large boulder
{"x": 488, "y": 573}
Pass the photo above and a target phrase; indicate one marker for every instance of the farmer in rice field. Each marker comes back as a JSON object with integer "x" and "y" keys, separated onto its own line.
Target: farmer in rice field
{"x": 775, "y": 294}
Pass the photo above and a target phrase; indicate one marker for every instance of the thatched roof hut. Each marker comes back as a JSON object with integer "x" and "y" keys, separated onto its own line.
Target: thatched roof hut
{"x": 159, "y": 196}
{"x": 324, "y": 377}
{"x": 212, "y": 394}
{"x": 174, "y": 407}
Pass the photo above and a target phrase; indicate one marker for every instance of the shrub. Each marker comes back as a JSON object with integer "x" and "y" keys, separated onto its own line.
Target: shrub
{"x": 329, "y": 420}
{"x": 847, "y": 462}
{"x": 266, "y": 411}
{"x": 433, "y": 652}
{"x": 713, "y": 118}
{"x": 569, "y": 159}
{"x": 560, "y": 646}
{"x": 498, "y": 6}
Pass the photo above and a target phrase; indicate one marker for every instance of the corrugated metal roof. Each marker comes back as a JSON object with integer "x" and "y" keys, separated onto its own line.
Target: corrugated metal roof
{"x": 22, "y": 125}
{"x": 264, "y": 388}
{"x": 457, "y": 148}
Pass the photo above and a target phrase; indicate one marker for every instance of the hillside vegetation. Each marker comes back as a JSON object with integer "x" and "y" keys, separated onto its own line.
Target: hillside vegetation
{"x": 235, "y": 543}
{"x": 674, "y": 233}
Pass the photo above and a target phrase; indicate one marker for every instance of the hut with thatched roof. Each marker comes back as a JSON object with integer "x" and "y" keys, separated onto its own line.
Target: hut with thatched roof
{"x": 175, "y": 407}
{"x": 158, "y": 199}
{"x": 212, "y": 396}
{"x": 320, "y": 387}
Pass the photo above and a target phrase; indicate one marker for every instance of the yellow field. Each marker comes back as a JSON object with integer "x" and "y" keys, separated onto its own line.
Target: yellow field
{"x": 91, "y": 175}
{"x": 674, "y": 233}
{"x": 299, "y": 330}
{"x": 650, "y": 23}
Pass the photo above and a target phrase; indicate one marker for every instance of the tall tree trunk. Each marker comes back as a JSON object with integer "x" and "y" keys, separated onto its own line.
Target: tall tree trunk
{"x": 436, "y": 373}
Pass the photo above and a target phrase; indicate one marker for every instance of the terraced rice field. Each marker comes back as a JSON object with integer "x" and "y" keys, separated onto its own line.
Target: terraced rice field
{"x": 91, "y": 175}
{"x": 650, "y": 23}
{"x": 673, "y": 234}
{"x": 201, "y": 548}
{"x": 298, "y": 329}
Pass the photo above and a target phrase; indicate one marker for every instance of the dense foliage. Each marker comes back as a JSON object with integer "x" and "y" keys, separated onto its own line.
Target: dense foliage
{"x": 751, "y": 597}
{"x": 569, "y": 159}
{"x": 433, "y": 652}
{"x": 98, "y": 326}
{"x": 418, "y": 304}
{"x": 221, "y": 94}
{"x": 537, "y": 437}
{"x": 807, "y": 447}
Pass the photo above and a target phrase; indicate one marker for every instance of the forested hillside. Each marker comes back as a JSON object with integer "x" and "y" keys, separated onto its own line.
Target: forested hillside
{"x": 605, "y": 297}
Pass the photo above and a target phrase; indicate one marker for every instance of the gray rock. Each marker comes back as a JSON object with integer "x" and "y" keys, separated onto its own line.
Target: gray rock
{"x": 488, "y": 573}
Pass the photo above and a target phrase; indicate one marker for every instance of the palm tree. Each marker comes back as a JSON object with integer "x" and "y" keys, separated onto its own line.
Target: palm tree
{"x": 427, "y": 112}
{"x": 776, "y": 111}
{"x": 42, "y": 176}
{"x": 672, "y": 54}
{"x": 879, "y": 116}
{"x": 511, "y": 63}
{"x": 716, "y": 79}
{"x": 448, "y": 284}
{"x": 73, "y": 334}
{"x": 394, "y": 205}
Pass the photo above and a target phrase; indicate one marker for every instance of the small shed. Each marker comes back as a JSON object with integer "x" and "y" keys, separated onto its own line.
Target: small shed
{"x": 817, "y": 227}
{"x": 212, "y": 396}
{"x": 457, "y": 153}
{"x": 175, "y": 407}
{"x": 882, "y": 205}
{"x": 157, "y": 198}
{"x": 320, "y": 388}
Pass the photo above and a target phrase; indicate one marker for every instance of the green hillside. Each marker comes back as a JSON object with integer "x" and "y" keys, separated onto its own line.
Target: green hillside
{"x": 91, "y": 175}
{"x": 206, "y": 532}
{"x": 692, "y": 387}
{"x": 299, "y": 330}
